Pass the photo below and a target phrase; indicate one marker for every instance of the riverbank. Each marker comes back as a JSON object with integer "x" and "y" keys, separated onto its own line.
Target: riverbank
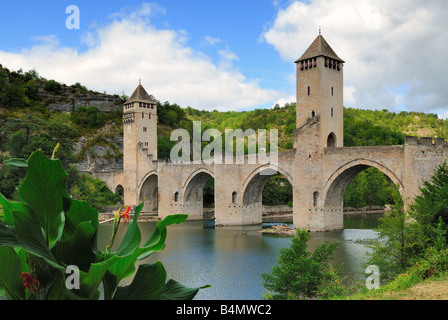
{"x": 269, "y": 212}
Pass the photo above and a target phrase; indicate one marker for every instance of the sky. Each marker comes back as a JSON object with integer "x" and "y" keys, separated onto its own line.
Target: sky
{"x": 232, "y": 54}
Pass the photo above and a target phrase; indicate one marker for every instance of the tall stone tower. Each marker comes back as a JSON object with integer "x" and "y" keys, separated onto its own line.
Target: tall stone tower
{"x": 320, "y": 91}
{"x": 139, "y": 140}
{"x": 319, "y": 126}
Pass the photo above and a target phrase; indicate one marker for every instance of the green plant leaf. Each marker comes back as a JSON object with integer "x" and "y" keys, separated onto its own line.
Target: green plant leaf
{"x": 8, "y": 236}
{"x": 110, "y": 285}
{"x": 175, "y": 291}
{"x": 43, "y": 190}
{"x": 15, "y": 162}
{"x": 10, "y": 274}
{"x": 78, "y": 249}
{"x": 147, "y": 284}
{"x": 30, "y": 237}
{"x": 79, "y": 211}
{"x": 156, "y": 240}
{"x": 7, "y": 207}
{"x": 132, "y": 237}
{"x": 90, "y": 281}
{"x": 125, "y": 266}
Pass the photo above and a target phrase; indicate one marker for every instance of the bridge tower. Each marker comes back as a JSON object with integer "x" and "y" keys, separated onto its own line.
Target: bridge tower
{"x": 320, "y": 91}
{"x": 139, "y": 141}
{"x": 319, "y": 125}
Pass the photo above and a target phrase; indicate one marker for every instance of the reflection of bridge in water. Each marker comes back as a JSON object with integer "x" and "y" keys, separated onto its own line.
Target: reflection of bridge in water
{"x": 319, "y": 167}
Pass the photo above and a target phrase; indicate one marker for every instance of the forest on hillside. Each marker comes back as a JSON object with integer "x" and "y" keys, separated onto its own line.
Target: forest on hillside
{"x": 26, "y": 124}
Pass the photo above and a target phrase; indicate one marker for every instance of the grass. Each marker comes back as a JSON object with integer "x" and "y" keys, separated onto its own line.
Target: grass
{"x": 407, "y": 287}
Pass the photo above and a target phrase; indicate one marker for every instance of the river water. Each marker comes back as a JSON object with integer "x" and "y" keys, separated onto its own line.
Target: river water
{"x": 231, "y": 259}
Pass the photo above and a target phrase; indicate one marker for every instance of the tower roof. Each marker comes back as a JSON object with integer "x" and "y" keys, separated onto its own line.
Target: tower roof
{"x": 140, "y": 95}
{"x": 319, "y": 47}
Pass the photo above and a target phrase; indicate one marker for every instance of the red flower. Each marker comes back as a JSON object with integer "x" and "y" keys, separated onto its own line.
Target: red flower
{"x": 29, "y": 282}
{"x": 125, "y": 214}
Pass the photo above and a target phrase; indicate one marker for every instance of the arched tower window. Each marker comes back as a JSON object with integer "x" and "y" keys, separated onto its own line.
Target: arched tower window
{"x": 331, "y": 140}
{"x": 234, "y": 194}
{"x": 332, "y": 112}
{"x": 313, "y": 114}
{"x": 332, "y": 91}
{"x": 309, "y": 91}
{"x": 176, "y": 197}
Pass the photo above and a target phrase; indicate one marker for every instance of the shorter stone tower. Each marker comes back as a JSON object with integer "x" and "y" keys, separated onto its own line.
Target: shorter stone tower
{"x": 139, "y": 140}
{"x": 140, "y": 123}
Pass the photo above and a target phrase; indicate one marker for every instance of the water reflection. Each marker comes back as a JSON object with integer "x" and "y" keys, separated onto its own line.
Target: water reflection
{"x": 231, "y": 259}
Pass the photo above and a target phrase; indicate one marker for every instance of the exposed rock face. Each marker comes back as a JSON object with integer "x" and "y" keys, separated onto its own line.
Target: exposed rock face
{"x": 101, "y": 158}
{"x": 71, "y": 99}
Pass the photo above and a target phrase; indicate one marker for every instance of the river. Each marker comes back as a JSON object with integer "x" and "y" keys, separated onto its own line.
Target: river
{"x": 231, "y": 259}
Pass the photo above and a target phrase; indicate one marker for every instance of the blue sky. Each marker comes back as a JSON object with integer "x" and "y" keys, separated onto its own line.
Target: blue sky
{"x": 234, "y": 55}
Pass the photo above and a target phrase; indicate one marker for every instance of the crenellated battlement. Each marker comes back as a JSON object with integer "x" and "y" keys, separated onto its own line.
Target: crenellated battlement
{"x": 425, "y": 141}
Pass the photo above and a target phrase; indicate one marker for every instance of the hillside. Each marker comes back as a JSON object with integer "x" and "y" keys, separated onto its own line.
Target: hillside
{"x": 39, "y": 113}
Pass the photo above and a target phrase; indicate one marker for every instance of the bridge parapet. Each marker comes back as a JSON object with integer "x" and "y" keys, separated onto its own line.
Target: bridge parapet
{"x": 425, "y": 141}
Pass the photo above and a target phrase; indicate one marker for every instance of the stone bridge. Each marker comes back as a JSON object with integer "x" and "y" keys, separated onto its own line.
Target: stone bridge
{"x": 173, "y": 188}
{"x": 319, "y": 167}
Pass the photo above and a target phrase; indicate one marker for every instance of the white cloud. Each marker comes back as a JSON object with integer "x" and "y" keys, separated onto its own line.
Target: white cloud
{"x": 395, "y": 51}
{"x": 283, "y": 101}
{"x": 129, "y": 47}
{"x": 211, "y": 41}
{"x": 227, "y": 58}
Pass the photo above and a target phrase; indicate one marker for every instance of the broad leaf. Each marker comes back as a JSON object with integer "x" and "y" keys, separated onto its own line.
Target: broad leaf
{"x": 8, "y": 207}
{"x": 79, "y": 211}
{"x": 43, "y": 191}
{"x": 30, "y": 237}
{"x": 124, "y": 267}
{"x": 132, "y": 237}
{"x": 78, "y": 249}
{"x": 10, "y": 274}
{"x": 90, "y": 281}
{"x": 175, "y": 291}
{"x": 156, "y": 240}
{"x": 18, "y": 163}
{"x": 147, "y": 284}
{"x": 8, "y": 236}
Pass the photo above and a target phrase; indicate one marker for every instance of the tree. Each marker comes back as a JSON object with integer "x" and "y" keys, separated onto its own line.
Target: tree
{"x": 392, "y": 250}
{"x": 53, "y": 86}
{"x": 90, "y": 117}
{"x": 406, "y": 238}
{"x": 15, "y": 144}
{"x": 299, "y": 273}
{"x": 432, "y": 205}
{"x": 277, "y": 191}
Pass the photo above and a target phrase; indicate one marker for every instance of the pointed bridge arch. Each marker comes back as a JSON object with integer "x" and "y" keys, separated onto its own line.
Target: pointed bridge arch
{"x": 335, "y": 186}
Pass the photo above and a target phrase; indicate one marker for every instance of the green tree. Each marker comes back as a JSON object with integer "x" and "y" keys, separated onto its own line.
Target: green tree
{"x": 299, "y": 273}
{"x": 277, "y": 191}
{"x": 393, "y": 250}
{"x": 431, "y": 206}
{"x": 53, "y": 86}
{"x": 94, "y": 191}
{"x": 406, "y": 238}
{"x": 90, "y": 117}
{"x": 15, "y": 144}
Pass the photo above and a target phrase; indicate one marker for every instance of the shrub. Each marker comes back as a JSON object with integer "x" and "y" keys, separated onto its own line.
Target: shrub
{"x": 301, "y": 274}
